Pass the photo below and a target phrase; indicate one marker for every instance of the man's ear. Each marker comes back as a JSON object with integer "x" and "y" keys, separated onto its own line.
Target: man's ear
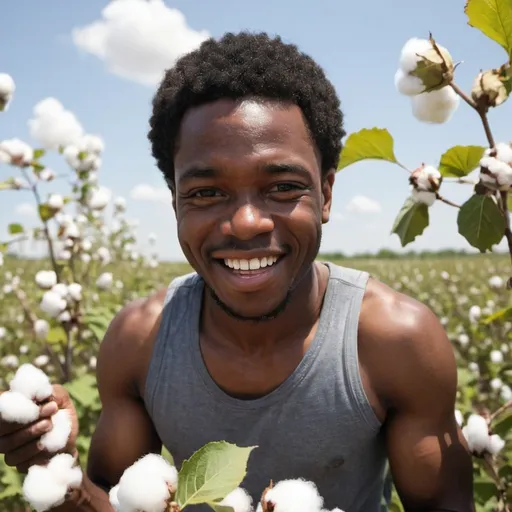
{"x": 327, "y": 185}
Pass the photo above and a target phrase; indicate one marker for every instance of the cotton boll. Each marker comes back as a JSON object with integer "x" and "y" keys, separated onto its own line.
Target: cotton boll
{"x": 112, "y": 495}
{"x": 45, "y": 279}
{"x": 421, "y": 196}
{"x": 435, "y": 107}
{"x": 104, "y": 281}
{"x": 411, "y": 51}
{"x": 239, "y": 500}
{"x": 459, "y": 418}
{"x": 294, "y": 496}
{"x": 32, "y": 382}
{"x": 64, "y": 469}
{"x": 52, "y": 303}
{"x": 41, "y": 489}
{"x": 145, "y": 485}
{"x": 496, "y": 282}
{"x": 408, "y": 85}
{"x": 75, "y": 291}
{"x": 476, "y": 433}
{"x": 41, "y": 328}
{"x": 57, "y": 438}
{"x": 495, "y": 444}
{"x": 17, "y": 408}
{"x": 496, "y": 356}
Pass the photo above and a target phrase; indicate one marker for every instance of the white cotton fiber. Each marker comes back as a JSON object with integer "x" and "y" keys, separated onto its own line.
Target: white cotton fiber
{"x": 17, "y": 408}
{"x": 32, "y": 382}
{"x": 58, "y": 436}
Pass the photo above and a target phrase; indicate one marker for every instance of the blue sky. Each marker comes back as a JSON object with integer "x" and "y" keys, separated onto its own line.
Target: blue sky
{"x": 358, "y": 45}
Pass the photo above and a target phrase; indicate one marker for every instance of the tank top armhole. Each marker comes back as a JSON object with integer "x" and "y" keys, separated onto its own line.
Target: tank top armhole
{"x": 351, "y": 359}
{"x": 157, "y": 358}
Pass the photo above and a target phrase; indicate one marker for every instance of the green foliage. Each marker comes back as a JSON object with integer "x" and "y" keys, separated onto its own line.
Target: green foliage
{"x": 481, "y": 223}
{"x": 212, "y": 473}
{"x": 411, "y": 221}
{"x": 367, "y": 144}
{"x": 459, "y": 161}
{"x": 15, "y": 229}
{"x": 494, "y": 19}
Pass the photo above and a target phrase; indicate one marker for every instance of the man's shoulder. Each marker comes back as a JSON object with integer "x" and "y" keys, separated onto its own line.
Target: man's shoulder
{"x": 401, "y": 341}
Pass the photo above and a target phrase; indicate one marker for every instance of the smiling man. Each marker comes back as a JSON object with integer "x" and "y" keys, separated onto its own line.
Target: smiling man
{"x": 329, "y": 372}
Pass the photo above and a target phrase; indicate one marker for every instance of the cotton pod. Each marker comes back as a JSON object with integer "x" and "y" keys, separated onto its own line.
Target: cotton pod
{"x": 57, "y": 438}
{"x": 45, "y": 279}
{"x": 496, "y": 167}
{"x": 7, "y": 88}
{"x": 104, "y": 281}
{"x": 496, "y": 356}
{"x": 10, "y": 361}
{"x": 55, "y": 202}
{"x": 104, "y": 255}
{"x": 41, "y": 360}
{"x": 239, "y": 500}
{"x": 496, "y": 282}
{"x": 296, "y": 495}
{"x": 45, "y": 487}
{"x": 147, "y": 485}
{"x": 17, "y": 408}
{"x": 435, "y": 107}
{"x": 52, "y": 303}
{"x": 41, "y": 328}
{"x": 75, "y": 291}
{"x": 479, "y": 439}
{"x": 46, "y": 175}
{"x": 98, "y": 198}
{"x": 16, "y": 152}
{"x": 475, "y": 313}
{"x": 31, "y": 382}
{"x": 426, "y": 61}
{"x": 489, "y": 88}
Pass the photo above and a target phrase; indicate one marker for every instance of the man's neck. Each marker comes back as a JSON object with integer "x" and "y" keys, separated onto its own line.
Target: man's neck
{"x": 298, "y": 318}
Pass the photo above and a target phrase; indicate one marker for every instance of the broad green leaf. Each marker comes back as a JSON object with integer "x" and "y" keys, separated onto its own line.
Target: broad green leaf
{"x": 84, "y": 391}
{"x": 484, "y": 489}
{"x": 38, "y": 153}
{"x": 459, "y": 161}
{"x": 494, "y": 19}
{"x": 11, "y": 482}
{"x": 56, "y": 335}
{"x": 15, "y": 229}
{"x": 212, "y": 473}
{"x": 502, "y": 314}
{"x": 503, "y": 424}
{"x": 367, "y": 144}
{"x": 45, "y": 212}
{"x": 481, "y": 223}
{"x": 411, "y": 221}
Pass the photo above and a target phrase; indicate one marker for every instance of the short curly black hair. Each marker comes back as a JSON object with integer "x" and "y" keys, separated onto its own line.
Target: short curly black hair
{"x": 245, "y": 65}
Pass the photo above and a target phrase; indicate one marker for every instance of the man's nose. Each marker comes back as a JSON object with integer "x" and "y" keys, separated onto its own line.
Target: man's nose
{"x": 247, "y": 222}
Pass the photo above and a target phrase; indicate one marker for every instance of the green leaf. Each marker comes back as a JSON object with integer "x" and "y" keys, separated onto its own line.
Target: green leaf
{"x": 459, "y": 161}
{"x": 56, "y": 335}
{"x": 503, "y": 424}
{"x": 212, "y": 473}
{"x": 38, "y": 153}
{"x": 411, "y": 221}
{"x": 6, "y": 185}
{"x": 15, "y": 229}
{"x": 480, "y": 222}
{"x": 367, "y": 144}
{"x": 494, "y": 19}
{"x": 84, "y": 391}
{"x": 509, "y": 202}
{"x": 484, "y": 489}
{"x": 221, "y": 508}
{"x": 45, "y": 212}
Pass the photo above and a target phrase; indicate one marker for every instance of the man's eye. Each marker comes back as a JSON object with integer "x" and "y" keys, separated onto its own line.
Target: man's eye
{"x": 206, "y": 192}
{"x": 286, "y": 187}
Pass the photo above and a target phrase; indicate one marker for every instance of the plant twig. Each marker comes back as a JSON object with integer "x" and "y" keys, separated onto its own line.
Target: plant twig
{"x": 500, "y": 411}
{"x": 446, "y": 201}
{"x": 506, "y": 213}
{"x": 33, "y": 187}
{"x": 480, "y": 109}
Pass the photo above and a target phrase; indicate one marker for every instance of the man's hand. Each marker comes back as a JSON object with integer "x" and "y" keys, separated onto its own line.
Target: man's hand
{"x": 20, "y": 443}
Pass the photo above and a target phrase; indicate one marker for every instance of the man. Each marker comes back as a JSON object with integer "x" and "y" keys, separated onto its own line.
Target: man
{"x": 328, "y": 371}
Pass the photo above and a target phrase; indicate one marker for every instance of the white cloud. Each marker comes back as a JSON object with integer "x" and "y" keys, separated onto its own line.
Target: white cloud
{"x": 25, "y": 209}
{"x": 337, "y": 217}
{"x": 139, "y": 39}
{"x": 145, "y": 192}
{"x": 53, "y": 126}
{"x": 363, "y": 204}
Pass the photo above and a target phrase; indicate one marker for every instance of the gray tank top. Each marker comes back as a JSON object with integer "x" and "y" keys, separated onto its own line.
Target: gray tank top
{"x": 317, "y": 425}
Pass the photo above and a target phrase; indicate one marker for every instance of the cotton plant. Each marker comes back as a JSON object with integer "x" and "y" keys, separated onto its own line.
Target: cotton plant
{"x": 426, "y": 76}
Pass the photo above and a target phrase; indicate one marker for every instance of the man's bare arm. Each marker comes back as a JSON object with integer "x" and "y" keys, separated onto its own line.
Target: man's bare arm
{"x": 124, "y": 432}
{"x": 415, "y": 372}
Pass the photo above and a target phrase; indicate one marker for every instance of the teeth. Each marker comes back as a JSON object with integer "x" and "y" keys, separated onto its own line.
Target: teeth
{"x": 254, "y": 264}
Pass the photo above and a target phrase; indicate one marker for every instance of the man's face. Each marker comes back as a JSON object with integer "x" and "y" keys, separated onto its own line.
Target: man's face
{"x": 250, "y": 202}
